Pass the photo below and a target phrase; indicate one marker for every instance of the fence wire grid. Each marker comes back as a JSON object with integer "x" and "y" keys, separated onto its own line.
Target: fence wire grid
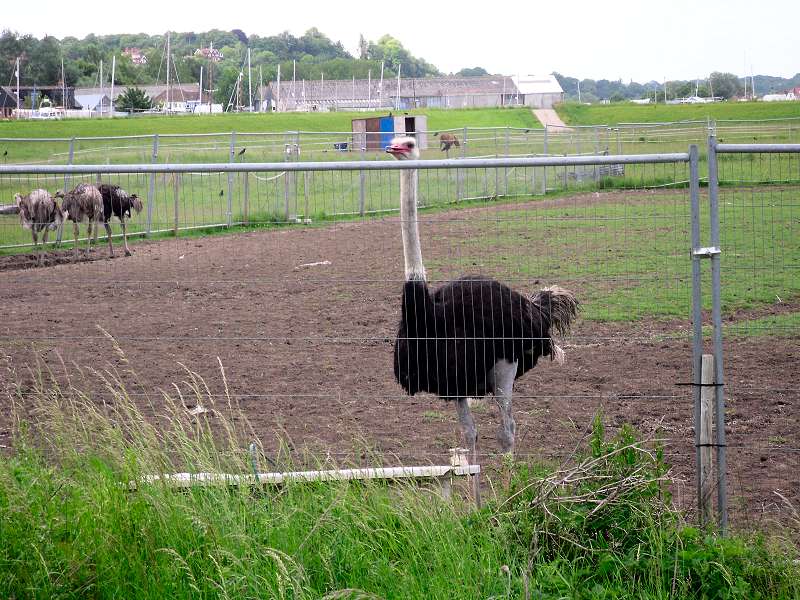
{"x": 298, "y": 299}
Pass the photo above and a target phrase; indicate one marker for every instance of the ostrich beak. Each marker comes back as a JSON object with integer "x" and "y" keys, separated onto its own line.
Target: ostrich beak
{"x": 397, "y": 149}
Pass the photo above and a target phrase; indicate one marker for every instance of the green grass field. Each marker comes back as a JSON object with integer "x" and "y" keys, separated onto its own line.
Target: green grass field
{"x": 623, "y": 112}
{"x": 438, "y": 119}
{"x": 72, "y": 527}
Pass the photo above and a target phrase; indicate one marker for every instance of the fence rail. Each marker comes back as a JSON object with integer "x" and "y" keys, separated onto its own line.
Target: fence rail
{"x": 634, "y": 242}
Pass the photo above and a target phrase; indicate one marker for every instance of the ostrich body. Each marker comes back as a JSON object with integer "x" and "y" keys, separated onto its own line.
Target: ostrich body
{"x": 473, "y": 335}
{"x": 39, "y": 212}
{"x": 84, "y": 202}
{"x": 117, "y": 202}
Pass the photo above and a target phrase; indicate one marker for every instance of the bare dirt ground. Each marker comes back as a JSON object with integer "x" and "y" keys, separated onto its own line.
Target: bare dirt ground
{"x": 307, "y": 351}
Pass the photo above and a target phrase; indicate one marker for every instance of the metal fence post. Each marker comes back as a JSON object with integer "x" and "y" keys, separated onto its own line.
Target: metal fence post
{"x": 697, "y": 314}
{"x": 544, "y": 169}
{"x": 306, "y": 183}
{"x": 716, "y": 316}
{"x": 230, "y": 179}
{"x": 361, "y": 184}
{"x": 706, "y": 467}
{"x": 287, "y": 158}
{"x": 505, "y": 169}
{"x": 176, "y": 187}
{"x": 246, "y": 200}
{"x": 151, "y": 192}
{"x": 67, "y": 184}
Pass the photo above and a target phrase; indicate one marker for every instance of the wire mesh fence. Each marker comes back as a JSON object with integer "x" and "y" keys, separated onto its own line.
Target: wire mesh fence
{"x": 301, "y": 306}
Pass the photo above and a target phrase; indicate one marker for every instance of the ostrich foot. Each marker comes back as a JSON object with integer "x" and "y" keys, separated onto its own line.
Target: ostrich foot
{"x": 128, "y": 252}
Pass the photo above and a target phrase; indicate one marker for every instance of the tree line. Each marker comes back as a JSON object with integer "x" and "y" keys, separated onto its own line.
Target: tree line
{"x": 309, "y": 56}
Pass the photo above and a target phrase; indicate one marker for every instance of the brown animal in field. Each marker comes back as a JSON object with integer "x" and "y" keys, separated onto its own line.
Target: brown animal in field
{"x": 38, "y": 211}
{"x": 83, "y": 203}
{"x": 447, "y": 141}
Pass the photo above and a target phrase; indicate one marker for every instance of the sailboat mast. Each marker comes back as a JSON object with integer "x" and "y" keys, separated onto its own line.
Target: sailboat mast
{"x": 168, "y": 55}
{"x": 113, "y": 73}
{"x": 249, "y": 82}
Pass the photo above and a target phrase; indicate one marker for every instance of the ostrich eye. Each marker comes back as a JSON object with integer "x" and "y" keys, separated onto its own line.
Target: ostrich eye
{"x": 410, "y": 144}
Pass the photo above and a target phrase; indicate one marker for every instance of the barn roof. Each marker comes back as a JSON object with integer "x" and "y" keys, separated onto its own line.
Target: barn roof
{"x": 537, "y": 84}
{"x": 177, "y": 92}
{"x": 91, "y": 101}
{"x": 344, "y": 89}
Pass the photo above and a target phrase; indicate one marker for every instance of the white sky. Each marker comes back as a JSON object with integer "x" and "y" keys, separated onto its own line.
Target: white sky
{"x": 627, "y": 39}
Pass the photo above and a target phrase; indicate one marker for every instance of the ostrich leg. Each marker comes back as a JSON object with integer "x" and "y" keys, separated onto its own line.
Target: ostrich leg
{"x": 125, "y": 237}
{"x": 44, "y": 246}
{"x": 470, "y": 434}
{"x": 503, "y": 375}
{"x": 35, "y": 237}
{"x": 107, "y": 225}
{"x": 75, "y": 236}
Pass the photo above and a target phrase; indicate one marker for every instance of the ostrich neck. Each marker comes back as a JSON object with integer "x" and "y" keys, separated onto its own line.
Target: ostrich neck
{"x": 412, "y": 252}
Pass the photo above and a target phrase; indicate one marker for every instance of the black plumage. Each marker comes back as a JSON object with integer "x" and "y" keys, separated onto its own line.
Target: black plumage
{"x": 449, "y": 340}
{"x": 117, "y": 202}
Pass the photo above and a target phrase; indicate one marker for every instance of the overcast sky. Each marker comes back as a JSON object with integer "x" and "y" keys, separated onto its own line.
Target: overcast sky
{"x": 627, "y": 39}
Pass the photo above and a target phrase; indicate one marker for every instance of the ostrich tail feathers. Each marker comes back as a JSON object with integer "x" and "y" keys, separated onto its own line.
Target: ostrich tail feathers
{"x": 559, "y": 306}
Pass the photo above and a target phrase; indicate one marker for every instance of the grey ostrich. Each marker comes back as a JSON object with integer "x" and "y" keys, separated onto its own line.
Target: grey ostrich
{"x": 473, "y": 335}
{"x": 39, "y": 212}
{"x": 84, "y": 202}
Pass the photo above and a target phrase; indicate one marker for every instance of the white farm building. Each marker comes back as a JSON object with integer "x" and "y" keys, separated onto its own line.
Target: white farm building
{"x": 429, "y": 92}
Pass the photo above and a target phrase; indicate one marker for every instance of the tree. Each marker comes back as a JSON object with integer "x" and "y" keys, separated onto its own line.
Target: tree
{"x": 472, "y": 72}
{"x": 133, "y": 99}
{"x": 725, "y": 85}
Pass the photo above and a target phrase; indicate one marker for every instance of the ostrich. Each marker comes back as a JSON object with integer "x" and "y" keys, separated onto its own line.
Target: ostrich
{"x": 39, "y": 212}
{"x": 473, "y": 335}
{"x": 447, "y": 141}
{"x": 117, "y": 202}
{"x": 83, "y": 202}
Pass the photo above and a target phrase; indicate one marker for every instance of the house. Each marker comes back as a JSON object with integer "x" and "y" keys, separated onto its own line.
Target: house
{"x": 8, "y": 102}
{"x": 209, "y": 53}
{"x": 409, "y": 93}
{"x": 137, "y": 56}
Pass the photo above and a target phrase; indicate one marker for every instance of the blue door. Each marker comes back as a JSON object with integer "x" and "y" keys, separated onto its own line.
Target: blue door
{"x": 387, "y": 131}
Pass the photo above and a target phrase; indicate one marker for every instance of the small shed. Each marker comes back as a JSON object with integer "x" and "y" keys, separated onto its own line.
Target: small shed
{"x": 373, "y": 134}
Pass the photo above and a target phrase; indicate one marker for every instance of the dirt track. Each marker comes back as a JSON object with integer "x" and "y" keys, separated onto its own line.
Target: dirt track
{"x": 308, "y": 351}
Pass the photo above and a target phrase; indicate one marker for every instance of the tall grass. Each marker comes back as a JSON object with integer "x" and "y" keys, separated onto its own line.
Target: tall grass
{"x": 71, "y": 525}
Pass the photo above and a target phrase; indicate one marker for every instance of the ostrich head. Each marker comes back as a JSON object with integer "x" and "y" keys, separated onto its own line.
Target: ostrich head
{"x": 404, "y": 148}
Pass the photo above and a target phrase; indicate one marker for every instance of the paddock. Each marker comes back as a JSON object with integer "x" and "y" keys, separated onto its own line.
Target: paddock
{"x": 303, "y": 319}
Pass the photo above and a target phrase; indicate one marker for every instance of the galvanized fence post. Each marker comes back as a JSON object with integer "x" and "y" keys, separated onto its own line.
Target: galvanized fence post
{"x": 361, "y": 185}
{"x": 246, "y": 200}
{"x": 716, "y": 316}
{"x": 505, "y": 169}
{"x": 67, "y": 184}
{"x": 230, "y": 179}
{"x": 176, "y": 190}
{"x": 697, "y": 313}
{"x": 151, "y": 192}
{"x": 287, "y": 151}
{"x": 544, "y": 169}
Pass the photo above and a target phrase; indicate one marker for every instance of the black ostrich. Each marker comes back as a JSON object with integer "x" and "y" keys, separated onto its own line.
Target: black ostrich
{"x": 473, "y": 335}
